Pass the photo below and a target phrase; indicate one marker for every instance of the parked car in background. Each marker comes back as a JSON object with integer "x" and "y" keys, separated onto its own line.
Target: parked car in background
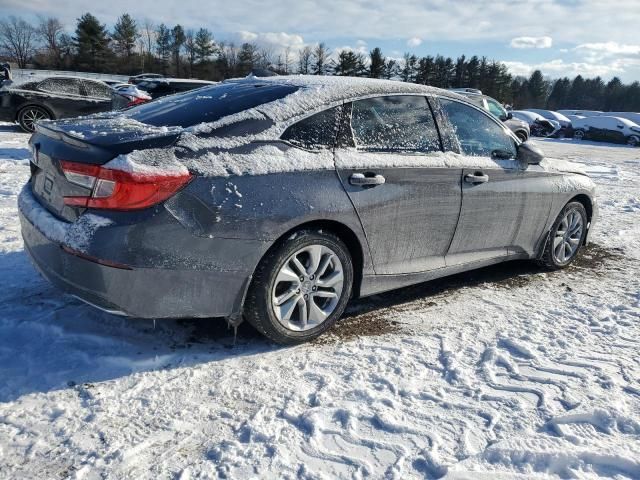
{"x": 607, "y": 129}
{"x": 517, "y": 126}
{"x": 145, "y": 76}
{"x": 582, "y": 113}
{"x": 575, "y": 117}
{"x": 160, "y": 87}
{"x": 633, "y": 116}
{"x": 54, "y": 97}
{"x": 130, "y": 95}
{"x": 538, "y": 125}
{"x": 293, "y": 195}
{"x": 565, "y": 123}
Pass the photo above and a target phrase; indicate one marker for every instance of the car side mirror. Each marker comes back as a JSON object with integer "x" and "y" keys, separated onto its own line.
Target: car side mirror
{"x": 509, "y": 115}
{"x": 529, "y": 154}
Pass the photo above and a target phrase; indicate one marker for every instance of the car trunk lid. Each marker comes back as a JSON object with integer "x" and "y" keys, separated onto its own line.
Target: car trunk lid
{"x": 93, "y": 141}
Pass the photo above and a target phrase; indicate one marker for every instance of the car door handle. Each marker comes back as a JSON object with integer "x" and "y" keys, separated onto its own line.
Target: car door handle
{"x": 361, "y": 179}
{"x": 477, "y": 177}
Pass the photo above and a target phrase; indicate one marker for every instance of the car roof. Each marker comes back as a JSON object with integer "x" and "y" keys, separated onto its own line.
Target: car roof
{"x": 316, "y": 92}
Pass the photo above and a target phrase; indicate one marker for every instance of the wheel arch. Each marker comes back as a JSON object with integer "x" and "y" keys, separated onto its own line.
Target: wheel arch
{"x": 344, "y": 233}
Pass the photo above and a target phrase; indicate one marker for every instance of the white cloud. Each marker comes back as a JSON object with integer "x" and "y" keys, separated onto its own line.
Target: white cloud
{"x": 531, "y": 42}
{"x": 414, "y": 41}
{"x": 271, "y": 39}
{"x": 604, "y": 49}
{"x": 559, "y": 67}
{"x": 361, "y": 43}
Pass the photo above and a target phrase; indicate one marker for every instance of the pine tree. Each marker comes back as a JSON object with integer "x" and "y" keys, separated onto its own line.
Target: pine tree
{"x": 409, "y": 68}
{"x": 125, "y": 34}
{"x": 177, "y": 41}
{"x": 92, "y": 44}
{"x": 163, "y": 46}
{"x": 247, "y": 57}
{"x": 538, "y": 89}
{"x": 205, "y": 46}
{"x": 377, "y": 63}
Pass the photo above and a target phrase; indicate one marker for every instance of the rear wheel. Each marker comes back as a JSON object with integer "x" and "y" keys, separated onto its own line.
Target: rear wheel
{"x": 566, "y": 237}
{"x": 633, "y": 141}
{"x": 28, "y": 116}
{"x": 522, "y": 136}
{"x": 578, "y": 134}
{"x": 301, "y": 288}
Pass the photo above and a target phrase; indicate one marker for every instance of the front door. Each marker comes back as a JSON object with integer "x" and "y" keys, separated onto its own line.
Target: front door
{"x": 407, "y": 199}
{"x": 492, "y": 200}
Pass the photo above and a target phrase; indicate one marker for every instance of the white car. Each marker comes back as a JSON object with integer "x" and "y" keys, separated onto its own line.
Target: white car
{"x": 607, "y": 129}
{"x": 582, "y": 113}
{"x": 538, "y": 125}
{"x": 575, "y": 117}
{"x": 551, "y": 115}
{"x": 633, "y": 116}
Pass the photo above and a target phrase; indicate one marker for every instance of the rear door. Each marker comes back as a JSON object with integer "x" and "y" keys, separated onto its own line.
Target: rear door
{"x": 64, "y": 96}
{"x": 389, "y": 159}
{"x": 493, "y": 202}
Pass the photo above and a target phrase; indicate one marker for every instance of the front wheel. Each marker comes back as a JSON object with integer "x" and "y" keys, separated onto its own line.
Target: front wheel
{"x": 566, "y": 237}
{"x": 578, "y": 134}
{"x": 633, "y": 141}
{"x": 301, "y": 287}
{"x": 28, "y": 117}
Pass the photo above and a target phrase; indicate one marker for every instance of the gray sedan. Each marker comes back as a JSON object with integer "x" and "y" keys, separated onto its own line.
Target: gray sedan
{"x": 278, "y": 200}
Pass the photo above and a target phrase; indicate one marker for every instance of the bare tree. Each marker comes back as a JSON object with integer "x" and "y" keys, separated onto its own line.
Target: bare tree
{"x": 286, "y": 60}
{"x": 191, "y": 48}
{"x": 17, "y": 40}
{"x": 148, "y": 37}
{"x": 50, "y": 31}
{"x": 304, "y": 60}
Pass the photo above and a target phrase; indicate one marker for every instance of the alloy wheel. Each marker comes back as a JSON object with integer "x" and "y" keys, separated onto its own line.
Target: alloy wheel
{"x": 31, "y": 115}
{"x": 307, "y": 288}
{"x": 568, "y": 236}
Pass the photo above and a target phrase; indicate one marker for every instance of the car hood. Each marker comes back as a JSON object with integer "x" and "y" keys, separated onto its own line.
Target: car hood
{"x": 563, "y": 166}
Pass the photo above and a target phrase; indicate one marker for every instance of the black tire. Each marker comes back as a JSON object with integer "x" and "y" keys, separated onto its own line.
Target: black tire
{"x": 26, "y": 114}
{"x": 633, "y": 141}
{"x": 578, "y": 134}
{"x": 258, "y": 308}
{"x": 548, "y": 259}
{"x": 522, "y": 136}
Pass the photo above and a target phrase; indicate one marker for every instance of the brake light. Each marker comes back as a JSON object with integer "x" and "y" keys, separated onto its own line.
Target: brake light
{"x": 136, "y": 101}
{"x": 120, "y": 190}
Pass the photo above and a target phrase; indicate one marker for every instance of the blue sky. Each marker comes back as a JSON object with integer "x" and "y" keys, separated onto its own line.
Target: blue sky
{"x": 561, "y": 37}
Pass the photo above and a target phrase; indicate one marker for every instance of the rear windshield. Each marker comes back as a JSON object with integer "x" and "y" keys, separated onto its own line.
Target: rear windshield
{"x": 207, "y": 104}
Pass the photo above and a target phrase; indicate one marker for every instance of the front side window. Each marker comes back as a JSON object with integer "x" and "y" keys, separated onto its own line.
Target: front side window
{"x": 477, "y": 133}
{"x": 61, "y": 86}
{"x": 315, "y": 132}
{"x": 398, "y": 123}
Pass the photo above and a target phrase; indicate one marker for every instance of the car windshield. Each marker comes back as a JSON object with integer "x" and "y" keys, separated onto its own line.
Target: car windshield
{"x": 208, "y": 104}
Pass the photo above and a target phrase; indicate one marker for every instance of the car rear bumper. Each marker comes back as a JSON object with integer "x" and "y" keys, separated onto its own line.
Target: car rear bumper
{"x": 136, "y": 292}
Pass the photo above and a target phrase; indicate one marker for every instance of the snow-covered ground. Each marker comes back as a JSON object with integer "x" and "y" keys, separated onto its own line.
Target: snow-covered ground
{"x": 508, "y": 371}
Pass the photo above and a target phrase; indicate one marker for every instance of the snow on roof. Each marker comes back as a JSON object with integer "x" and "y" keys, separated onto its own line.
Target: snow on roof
{"x": 316, "y": 92}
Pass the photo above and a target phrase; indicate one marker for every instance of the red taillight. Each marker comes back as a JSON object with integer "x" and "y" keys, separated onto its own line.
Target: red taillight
{"x": 136, "y": 101}
{"x": 119, "y": 190}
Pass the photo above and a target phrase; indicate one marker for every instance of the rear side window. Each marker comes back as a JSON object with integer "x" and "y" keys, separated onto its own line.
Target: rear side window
{"x": 399, "y": 123}
{"x": 496, "y": 109}
{"x": 315, "y": 132}
{"x": 61, "y": 86}
{"x": 478, "y": 134}
{"x": 97, "y": 89}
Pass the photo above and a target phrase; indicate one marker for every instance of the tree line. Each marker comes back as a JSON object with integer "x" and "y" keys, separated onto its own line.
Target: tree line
{"x": 133, "y": 47}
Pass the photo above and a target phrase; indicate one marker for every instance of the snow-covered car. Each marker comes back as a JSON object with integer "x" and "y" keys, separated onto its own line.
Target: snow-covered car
{"x": 575, "y": 117}
{"x": 582, "y": 113}
{"x": 53, "y": 98}
{"x": 130, "y": 95}
{"x": 145, "y": 76}
{"x": 279, "y": 199}
{"x": 551, "y": 115}
{"x": 607, "y": 129}
{"x": 160, "y": 87}
{"x": 519, "y": 127}
{"x": 538, "y": 125}
{"x": 633, "y": 116}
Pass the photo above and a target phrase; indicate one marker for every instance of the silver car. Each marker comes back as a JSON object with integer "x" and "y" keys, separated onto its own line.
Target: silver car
{"x": 278, "y": 200}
